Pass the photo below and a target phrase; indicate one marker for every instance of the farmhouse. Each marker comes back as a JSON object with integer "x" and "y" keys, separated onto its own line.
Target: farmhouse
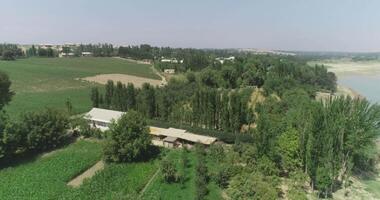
{"x": 102, "y": 118}
{"x": 174, "y": 138}
{"x": 171, "y": 137}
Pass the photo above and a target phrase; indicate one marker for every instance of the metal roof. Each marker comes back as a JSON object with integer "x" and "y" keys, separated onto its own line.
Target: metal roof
{"x": 181, "y": 134}
{"x": 170, "y": 139}
{"x": 103, "y": 115}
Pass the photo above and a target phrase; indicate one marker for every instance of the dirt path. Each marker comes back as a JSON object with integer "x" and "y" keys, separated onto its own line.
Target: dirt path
{"x": 149, "y": 182}
{"x": 163, "y": 79}
{"x": 77, "y": 181}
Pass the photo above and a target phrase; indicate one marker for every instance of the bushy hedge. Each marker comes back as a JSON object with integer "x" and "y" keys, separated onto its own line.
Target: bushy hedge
{"x": 226, "y": 137}
{"x": 35, "y": 132}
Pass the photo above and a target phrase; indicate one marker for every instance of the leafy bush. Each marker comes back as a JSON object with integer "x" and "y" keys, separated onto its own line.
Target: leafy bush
{"x": 129, "y": 139}
{"x": 222, "y": 176}
{"x": 168, "y": 171}
{"x": 251, "y": 186}
{"x": 45, "y": 129}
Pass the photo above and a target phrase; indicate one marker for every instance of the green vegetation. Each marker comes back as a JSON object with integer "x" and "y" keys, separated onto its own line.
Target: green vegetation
{"x": 115, "y": 181}
{"x": 49, "y": 82}
{"x": 128, "y": 139}
{"x": 10, "y": 52}
{"x": 5, "y": 92}
{"x": 185, "y": 188}
{"x": 46, "y": 176}
{"x": 265, "y": 105}
{"x": 326, "y": 141}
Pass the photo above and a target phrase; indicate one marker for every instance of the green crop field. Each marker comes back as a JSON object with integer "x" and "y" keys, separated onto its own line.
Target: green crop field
{"x": 47, "y": 176}
{"x": 161, "y": 190}
{"x": 49, "y": 82}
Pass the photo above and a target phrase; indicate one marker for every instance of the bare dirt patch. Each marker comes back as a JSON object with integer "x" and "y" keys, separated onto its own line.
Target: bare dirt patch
{"x": 123, "y": 78}
{"x": 77, "y": 181}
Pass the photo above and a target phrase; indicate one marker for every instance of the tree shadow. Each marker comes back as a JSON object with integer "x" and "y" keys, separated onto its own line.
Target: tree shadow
{"x": 30, "y": 156}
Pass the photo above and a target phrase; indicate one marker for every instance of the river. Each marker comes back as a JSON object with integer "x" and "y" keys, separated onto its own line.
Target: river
{"x": 362, "y": 77}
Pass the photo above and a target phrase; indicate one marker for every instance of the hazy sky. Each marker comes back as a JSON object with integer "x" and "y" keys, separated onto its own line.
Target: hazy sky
{"x": 328, "y": 25}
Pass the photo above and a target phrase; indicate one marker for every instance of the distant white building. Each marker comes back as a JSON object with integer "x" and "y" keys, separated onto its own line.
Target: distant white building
{"x": 65, "y": 55}
{"x": 169, "y": 71}
{"x": 222, "y": 59}
{"x": 170, "y": 60}
{"x": 86, "y": 54}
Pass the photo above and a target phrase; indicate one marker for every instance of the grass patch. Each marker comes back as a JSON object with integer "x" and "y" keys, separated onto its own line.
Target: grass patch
{"x": 41, "y": 82}
{"x": 373, "y": 186}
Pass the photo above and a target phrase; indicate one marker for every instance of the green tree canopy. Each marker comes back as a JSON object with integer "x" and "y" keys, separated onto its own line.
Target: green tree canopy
{"x": 129, "y": 139}
{"x": 5, "y": 92}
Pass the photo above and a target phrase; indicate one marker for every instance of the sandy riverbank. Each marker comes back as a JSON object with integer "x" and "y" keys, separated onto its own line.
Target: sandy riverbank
{"x": 347, "y": 91}
{"x": 346, "y": 66}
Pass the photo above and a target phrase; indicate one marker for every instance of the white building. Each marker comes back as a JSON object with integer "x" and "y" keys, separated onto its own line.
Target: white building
{"x": 102, "y": 118}
{"x": 222, "y": 59}
{"x": 170, "y": 60}
{"x": 65, "y": 55}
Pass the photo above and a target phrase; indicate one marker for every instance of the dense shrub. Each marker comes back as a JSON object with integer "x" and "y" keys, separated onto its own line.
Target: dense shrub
{"x": 251, "y": 186}
{"x": 222, "y": 176}
{"x": 129, "y": 139}
{"x": 168, "y": 171}
{"x": 43, "y": 129}
{"x": 5, "y": 91}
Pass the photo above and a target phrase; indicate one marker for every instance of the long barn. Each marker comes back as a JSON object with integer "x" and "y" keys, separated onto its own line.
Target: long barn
{"x": 167, "y": 137}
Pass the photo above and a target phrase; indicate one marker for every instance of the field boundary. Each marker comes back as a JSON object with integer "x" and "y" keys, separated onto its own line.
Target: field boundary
{"x": 149, "y": 183}
{"x": 77, "y": 181}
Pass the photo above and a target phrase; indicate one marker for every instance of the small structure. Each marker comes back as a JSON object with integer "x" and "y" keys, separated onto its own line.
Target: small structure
{"x": 222, "y": 59}
{"x": 169, "y": 71}
{"x": 170, "y": 60}
{"x": 173, "y": 137}
{"x": 86, "y": 54}
{"x": 102, "y": 118}
{"x": 66, "y": 55}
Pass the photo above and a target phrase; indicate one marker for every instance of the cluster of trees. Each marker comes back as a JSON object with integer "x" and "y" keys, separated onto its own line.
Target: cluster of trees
{"x": 208, "y": 108}
{"x": 193, "y": 59}
{"x": 293, "y": 135}
{"x": 97, "y": 50}
{"x": 10, "y": 52}
{"x": 326, "y": 140}
{"x": 128, "y": 139}
{"x": 33, "y": 132}
{"x": 215, "y": 99}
